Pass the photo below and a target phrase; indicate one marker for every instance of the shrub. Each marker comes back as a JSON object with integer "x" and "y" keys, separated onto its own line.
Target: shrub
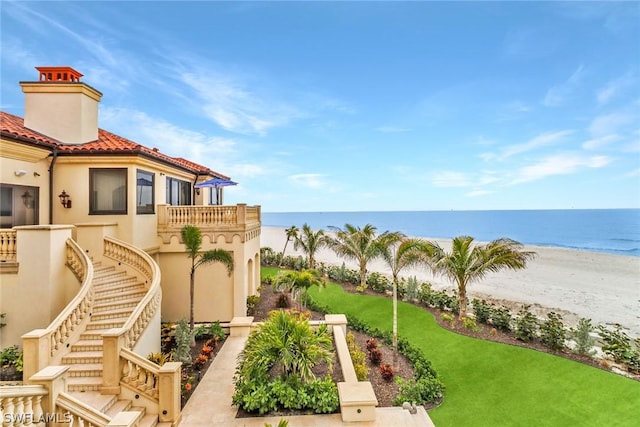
{"x": 206, "y": 350}
{"x": 470, "y": 324}
{"x": 447, "y": 317}
{"x": 252, "y": 301}
{"x": 358, "y": 358}
{"x": 526, "y": 325}
{"x": 199, "y": 361}
{"x": 216, "y": 331}
{"x": 371, "y": 344}
{"x": 386, "y": 371}
{"x": 424, "y": 390}
{"x": 200, "y": 332}
{"x": 481, "y": 310}
{"x": 501, "y": 318}
{"x": 412, "y": 289}
{"x": 582, "y": 336}
{"x": 375, "y": 356}
{"x": 552, "y": 332}
{"x": 323, "y": 395}
{"x": 183, "y": 338}
{"x": 378, "y": 283}
{"x": 617, "y": 344}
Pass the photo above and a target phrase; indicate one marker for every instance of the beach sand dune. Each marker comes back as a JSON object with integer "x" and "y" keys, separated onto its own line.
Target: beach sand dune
{"x": 602, "y": 287}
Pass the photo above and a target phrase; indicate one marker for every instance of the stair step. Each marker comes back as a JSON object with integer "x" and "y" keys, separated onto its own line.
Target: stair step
{"x": 149, "y": 420}
{"x": 119, "y": 289}
{"x": 116, "y": 322}
{"x": 102, "y": 276}
{"x": 84, "y": 383}
{"x": 98, "y": 401}
{"x": 120, "y": 296}
{"x": 124, "y": 280}
{"x": 119, "y": 406}
{"x": 87, "y": 345}
{"x": 85, "y": 370}
{"x": 116, "y": 312}
{"x": 113, "y": 305}
{"x": 82, "y": 357}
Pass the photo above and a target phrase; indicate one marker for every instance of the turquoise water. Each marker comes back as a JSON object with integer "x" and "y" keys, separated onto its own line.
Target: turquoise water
{"x": 615, "y": 231}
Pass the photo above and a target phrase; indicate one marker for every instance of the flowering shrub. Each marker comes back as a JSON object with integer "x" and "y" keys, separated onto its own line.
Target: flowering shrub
{"x": 200, "y": 361}
{"x": 206, "y": 351}
{"x": 375, "y": 356}
{"x": 371, "y": 344}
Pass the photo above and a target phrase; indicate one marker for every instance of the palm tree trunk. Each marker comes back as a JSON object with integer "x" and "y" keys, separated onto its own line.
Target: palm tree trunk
{"x": 363, "y": 277}
{"x": 192, "y": 291}
{"x": 395, "y": 323}
{"x": 283, "y": 251}
{"x": 462, "y": 300}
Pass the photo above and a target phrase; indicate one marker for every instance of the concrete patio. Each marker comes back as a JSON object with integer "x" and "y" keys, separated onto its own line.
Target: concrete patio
{"x": 210, "y": 404}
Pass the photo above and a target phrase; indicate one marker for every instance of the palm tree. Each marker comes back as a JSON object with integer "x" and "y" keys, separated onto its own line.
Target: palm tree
{"x": 310, "y": 242}
{"x": 467, "y": 263}
{"x": 297, "y": 283}
{"x": 192, "y": 238}
{"x": 358, "y": 244}
{"x": 292, "y": 233}
{"x": 399, "y": 252}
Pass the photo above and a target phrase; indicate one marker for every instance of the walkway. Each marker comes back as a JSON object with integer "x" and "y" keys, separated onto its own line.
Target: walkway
{"x": 210, "y": 404}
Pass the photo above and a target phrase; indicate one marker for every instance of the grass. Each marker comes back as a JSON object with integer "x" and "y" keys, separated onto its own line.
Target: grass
{"x": 493, "y": 384}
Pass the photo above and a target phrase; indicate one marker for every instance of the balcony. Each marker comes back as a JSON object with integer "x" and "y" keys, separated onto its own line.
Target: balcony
{"x": 241, "y": 220}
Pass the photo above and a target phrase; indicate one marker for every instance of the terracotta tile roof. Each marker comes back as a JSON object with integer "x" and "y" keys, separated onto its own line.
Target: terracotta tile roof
{"x": 14, "y": 126}
{"x": 107, "y": 143}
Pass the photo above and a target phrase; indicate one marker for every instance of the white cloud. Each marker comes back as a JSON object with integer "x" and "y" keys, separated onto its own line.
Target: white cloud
{"x": 559, "y": 164}
{"x": 633, "y": 173}
{"x": 600, "y": 142}
{"x": 614, "y": 88}
{"x": 609, "y": 124}
{"x": 479, "y": 193}
{"x": 452, "y": 179}
{"x": 308, "y": 180}
{"x": 542, "y": 140}
{"x": 558, "y": 94}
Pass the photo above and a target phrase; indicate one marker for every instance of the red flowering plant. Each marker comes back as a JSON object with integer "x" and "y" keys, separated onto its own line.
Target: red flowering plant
{"x": 206, "y": 351}
{"x": 200, "y": 361}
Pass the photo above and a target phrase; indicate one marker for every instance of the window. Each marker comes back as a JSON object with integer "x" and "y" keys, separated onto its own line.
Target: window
{"x": 144, "y": 192}
{"x": 6, "y": 201}
{"x": 108, "y": 191}
{"x": 18, "y": 205}
{"x": 178, "y": 192}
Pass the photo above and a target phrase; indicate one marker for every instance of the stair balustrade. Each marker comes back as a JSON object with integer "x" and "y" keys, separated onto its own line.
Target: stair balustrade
{"x": 8, "y": 244}
{"x": 22, "y": 405}
{"x": 43, "y": 347}
{"x": 73, "y": 412}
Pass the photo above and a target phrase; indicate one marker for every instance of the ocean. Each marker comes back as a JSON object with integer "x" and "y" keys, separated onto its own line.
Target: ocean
{"x": 614, "y": 231}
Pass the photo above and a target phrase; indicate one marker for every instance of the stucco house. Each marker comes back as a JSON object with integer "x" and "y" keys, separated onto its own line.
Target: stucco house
{"x": 91, "y": 258}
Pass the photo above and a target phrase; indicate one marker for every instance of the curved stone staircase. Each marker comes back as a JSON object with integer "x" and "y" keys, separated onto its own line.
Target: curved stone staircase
{"x": 116, "y": 295}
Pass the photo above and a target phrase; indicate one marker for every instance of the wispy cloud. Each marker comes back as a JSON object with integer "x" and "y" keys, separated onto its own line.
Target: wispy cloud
{"x": 633, "y": 173}
{"x": 615, "y": 87}
{"x": 392, "y": 129}
{"x": 559, "y": 164}
{"x": 543, "y": 140}
{"x": 308, "y": 180}
{"x": 558, "y": 94}
{"x": 609, "y": 123}
{"x": 463, "y": 179}
{"x": 479, "y": 193}
{"x": 600, "y": 142}
{"x": 220, "y": 154}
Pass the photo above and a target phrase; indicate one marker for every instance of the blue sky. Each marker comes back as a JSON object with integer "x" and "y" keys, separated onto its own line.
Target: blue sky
{"x": 344, "y": 106}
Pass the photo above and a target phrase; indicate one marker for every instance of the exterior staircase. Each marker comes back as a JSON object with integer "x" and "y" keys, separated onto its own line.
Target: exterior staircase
{"x": 116, "y": 295}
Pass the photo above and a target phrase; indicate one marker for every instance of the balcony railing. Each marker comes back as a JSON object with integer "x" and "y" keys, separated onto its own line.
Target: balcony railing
{"x": 8, "y": 244}
{"x": 236, "y": 219}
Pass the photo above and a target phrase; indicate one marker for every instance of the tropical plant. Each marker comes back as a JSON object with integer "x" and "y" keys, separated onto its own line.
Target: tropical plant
{"x": 297, "y": 283}
{"x": 526, "y": 325}
{"x": 192, "y": 238}
{"x": 184, "y": 336}
{"x": 467, "y": 263}
{"x": 552, "y": 332}
{"x": 399, "y": 252}
{"x": 310, "y": 242}
{"x": 582, "y": 336}
{"x": 285, "y": 340}
{"x": 358, "y": 244}
{"x": 292, "y": 234}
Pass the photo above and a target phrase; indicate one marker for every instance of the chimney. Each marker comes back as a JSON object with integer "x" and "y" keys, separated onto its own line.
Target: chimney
{"x": 60, "y": 106}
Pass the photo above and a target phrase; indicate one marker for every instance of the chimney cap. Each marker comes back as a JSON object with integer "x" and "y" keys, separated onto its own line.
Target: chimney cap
{"x": 59, "y": 74}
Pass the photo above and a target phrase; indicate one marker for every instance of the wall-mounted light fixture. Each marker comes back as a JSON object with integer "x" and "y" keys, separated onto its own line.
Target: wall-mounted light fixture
{"x": 198, "y": 191}
{"x": 27, "y": 199}
{"x": 65, "y": 199}
{"x": 36, "y": 174}
{"x": 20, "y": 172}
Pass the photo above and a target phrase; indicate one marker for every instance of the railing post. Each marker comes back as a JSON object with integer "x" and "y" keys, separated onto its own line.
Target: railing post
{"x": 241, "y": 213}
{"x": 112, "y": 343}
{"x": 337, "y": 320}
{"x": 54, "y": 379}
{"x": 169, "y": 393}
{"x": 36, "y": 348}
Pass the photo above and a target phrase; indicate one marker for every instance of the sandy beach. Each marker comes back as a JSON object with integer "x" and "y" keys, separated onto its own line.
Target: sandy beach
{"x": 602, "y": 287}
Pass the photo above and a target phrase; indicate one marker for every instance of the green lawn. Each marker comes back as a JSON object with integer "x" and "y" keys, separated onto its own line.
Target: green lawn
{"x": 491, "y": 384}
